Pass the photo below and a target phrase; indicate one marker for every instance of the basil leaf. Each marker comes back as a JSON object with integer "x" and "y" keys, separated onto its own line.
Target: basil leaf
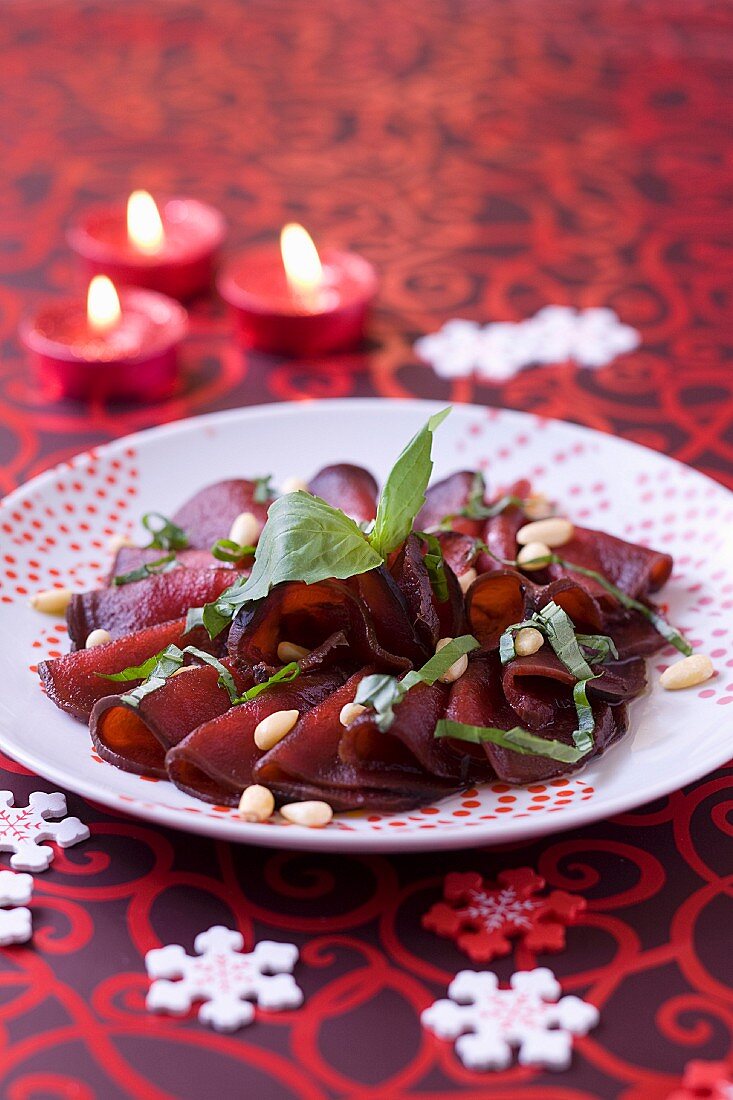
{"x": 403, "y": 494}
{"x": 263, "y": 490}
{"x": 159, "y": 668}
{"x": 306, "y": 539}
{"x": 217, "y": 615}
{"x": 167, "y": 535}
{"x": 435, "y": 565}
{"x": 516, "y": 739}
{"x": 382, "y": 692}
{"x": 560, "y": 633}
{"x": 603, "y": 646}
{"x": 150, "y": 569}
{"x": 227, "y": 550}
{"x": 166, "y": 663}
{"x": 226, "y": 680}
{"x": 583, "y": 735}
{"x": 476, "y": 506}
{"x": 283, "y": 675}
{"x": 507, "y": 651}
{"x": 133, "y": 672}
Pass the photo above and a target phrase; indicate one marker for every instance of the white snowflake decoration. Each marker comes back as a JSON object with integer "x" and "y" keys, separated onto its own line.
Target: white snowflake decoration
{"x": 224, "y": 978}
{"x": 22, "y": 827}
{"x": 487, "y": 1022}
{"x": 15, "y": 925}
{"x": 15, "y": 889}
{"x": 496, "y": 352}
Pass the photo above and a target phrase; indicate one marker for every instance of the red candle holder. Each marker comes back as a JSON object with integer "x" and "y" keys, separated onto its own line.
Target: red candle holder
{"x": 181, "y": 267}
{"x": 270, "y": 317}
{"x": 136, "y": 359}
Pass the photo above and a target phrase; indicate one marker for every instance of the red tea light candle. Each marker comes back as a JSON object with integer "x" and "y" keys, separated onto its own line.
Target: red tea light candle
{"x": 172, "y": 250}
{"x": 112, "y": 345}
{"x": 295, "y": 302}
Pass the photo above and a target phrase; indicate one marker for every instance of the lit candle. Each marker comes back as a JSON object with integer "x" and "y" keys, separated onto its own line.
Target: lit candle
{"x": 293, "y": 301}
{"x": 171, "y": 249}
{"x": 111, "y": 345}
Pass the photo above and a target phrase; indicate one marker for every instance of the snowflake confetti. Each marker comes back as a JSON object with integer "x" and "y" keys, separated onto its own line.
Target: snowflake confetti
{"x": 15, "y": 889}
{"x": 483, "y": 916}
{"x": 224, "y": 978}
{"x": 22, "y": 827}
{"x": 15, "y": 925}
{"x": 488, "y": 1022}
{"x": 496, "y": 352}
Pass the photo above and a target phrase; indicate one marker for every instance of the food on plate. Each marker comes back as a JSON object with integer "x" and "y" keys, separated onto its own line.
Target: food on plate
{"x": 338, "y": 647}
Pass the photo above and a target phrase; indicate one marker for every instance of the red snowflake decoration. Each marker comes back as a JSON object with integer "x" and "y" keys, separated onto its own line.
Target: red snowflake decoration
{"x": 483, "y": 916}
{"x": 705, "y": 1081}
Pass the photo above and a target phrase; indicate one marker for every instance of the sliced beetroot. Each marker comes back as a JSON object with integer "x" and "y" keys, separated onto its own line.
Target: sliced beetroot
{"x": 209, "y": 514}
{"x": 308, "y": 763}
{"x": 139, "y": 604}
{"x": 459, "y": 551}
{"x": 215, "y": 762}
{"x": 133, "y": 557}
{"x": 495, "y": 601}
{"x": 500, "y": 532}
{"x": 350, "y": 488}
{"x": 75, "y": 682}
{"x": 448, "y": 498}
{"x": 385, "y": 605}
{"x": 136, "y": 738}
{"x": 308, "y": 614}
{"x": 412, "y": 578}
{"x": 635, "y": 569}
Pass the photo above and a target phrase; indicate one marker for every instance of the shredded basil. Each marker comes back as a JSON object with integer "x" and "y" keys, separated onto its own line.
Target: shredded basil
{"x": 167, "y": 535}
{"x": 435, "y": 565}
{"x": 560, "y": 633}
{"x": 516, "y": 739}
{"x": 166, "y": 663}
{"x": 151, "y": 568}
{"x": 230, "y": 551}
{"x": 602, "y": 645}
{"x": 283, "y": 675}
{"x": 382, "y": 692}
{"x": 263, "y": 490}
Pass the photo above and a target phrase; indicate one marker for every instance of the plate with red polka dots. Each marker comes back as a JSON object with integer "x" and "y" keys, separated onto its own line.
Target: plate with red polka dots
{"x": 54, "y": 531}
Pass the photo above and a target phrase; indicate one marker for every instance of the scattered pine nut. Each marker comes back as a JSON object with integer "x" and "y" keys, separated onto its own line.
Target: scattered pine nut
{"x": 458, "y": 667}
{"x": 466, "y": 579}
{"x": 314, "y": 815}
{"x": 256, "y": 804}
{"x": 98, "y": 637}
{"x": 273, "y": 728}
{"x": 52, "y": 601}
{"x": 528, "y": 555}
{"x": 294, "y": 485}
{"x": 688, "y": 672}
{"x": 289, "y": 651}
{"x": 246, "y": 529}
{"x": 537, "y": 506}
{"x": 118, "y": 542}
{"x": 555, "y": 531}
{"x": 527, "y": 641}
{"x": 350, "y": 712}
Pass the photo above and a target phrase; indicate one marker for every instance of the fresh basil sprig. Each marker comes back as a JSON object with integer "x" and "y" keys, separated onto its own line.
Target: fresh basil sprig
{"x": 476, "y": 506}
{"x": 149, "y": 569}
{"x": 382, "y": 692}
{"x": 166, "y": 534}
{"x": 166, "y": 663}
{"x": 230, "y": 551}
{"x": 517, "y": 739}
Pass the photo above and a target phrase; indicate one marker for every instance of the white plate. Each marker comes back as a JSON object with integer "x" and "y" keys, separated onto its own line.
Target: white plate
{"x": 56, "y": 527}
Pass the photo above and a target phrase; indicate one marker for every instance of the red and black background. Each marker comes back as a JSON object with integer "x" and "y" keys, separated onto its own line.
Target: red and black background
{"x": 490, "y": 157}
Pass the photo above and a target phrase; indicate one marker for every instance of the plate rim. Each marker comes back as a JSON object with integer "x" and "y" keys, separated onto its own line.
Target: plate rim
{"x": 335, "y": 840}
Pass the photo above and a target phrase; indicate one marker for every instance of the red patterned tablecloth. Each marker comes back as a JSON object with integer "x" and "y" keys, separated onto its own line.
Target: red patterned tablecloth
{"x": 490, "y": 158}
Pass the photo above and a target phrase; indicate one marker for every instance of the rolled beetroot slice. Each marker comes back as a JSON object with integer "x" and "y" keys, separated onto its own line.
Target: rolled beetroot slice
{"x": 350, "y": 488}
{"x": 209, "y": 514}
{"x": 385, "y": 605}
{"x": 636, "y": 570}
{"x": 72, "y": 681}
{"x": 131, "y": 607}
{"x": 308, "y": 614}
{"x": 447, "y": 498}
{"x": 136, "y": 739}
{"x": 494, "y": 602}
{"x": 307, "y": 764}
{"x": 132, "y": 557}
{"x": 215, "y": 762}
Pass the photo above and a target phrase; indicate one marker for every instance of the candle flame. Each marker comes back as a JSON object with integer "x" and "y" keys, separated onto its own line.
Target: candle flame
{"x": 103, "y": 304}
{"x": 301, "y": 261}
{"x": 144, "y": 225}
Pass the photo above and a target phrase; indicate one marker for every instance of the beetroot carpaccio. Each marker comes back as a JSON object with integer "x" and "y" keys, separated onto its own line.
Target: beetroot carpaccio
{"x": 539, "y": 660}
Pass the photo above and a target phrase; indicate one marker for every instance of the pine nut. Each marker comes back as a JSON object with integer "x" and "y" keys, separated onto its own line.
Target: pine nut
{"x": 528, "y": 555}
{"x": 53, "y": 601}
{"x": 245, "y": 529}
{"x": 98, "y": 637}
{"x": 256, "y": 803}
{"x": 294, "y": 485}
{"x": 527, "y": 641}
{"x": 289, "y": 651}
{"x": 273, "y": 728}
{"x": 687, "y": 673}
{"x": 553, "y": 532}
{"x": 466, "y": 579}
{"x": 458, "y": 667}
{"x": 118, "y": 542}
{"x": 350, "y": 712}
{"x": 314, "y": 815}
{"x": 537, "y": 506}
